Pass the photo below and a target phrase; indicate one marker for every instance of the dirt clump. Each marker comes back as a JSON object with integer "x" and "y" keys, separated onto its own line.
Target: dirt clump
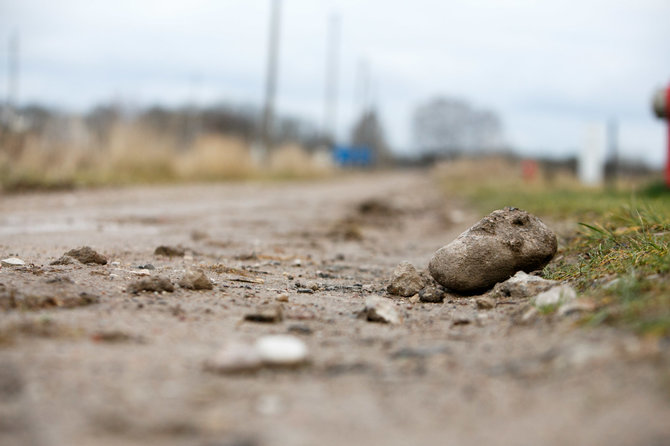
{"x": 504, "y": 242}
{"x": 151, "y": 284}
{"x": 195, "y": 280}
{"x": 376, "y": 207}
{"x": 85, "y": 255}
{"x": 169, "y": 251}
{"x": 41, "y": 297}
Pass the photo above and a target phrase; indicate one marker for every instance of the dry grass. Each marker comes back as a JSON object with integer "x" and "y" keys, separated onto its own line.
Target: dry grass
{"x": 134, "y": 154}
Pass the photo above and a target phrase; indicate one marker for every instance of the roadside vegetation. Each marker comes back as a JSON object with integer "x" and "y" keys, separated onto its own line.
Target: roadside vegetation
{"x": 43, "y": 148}
{"x": 134, "y": 155}
{"x": 614, "y": 243}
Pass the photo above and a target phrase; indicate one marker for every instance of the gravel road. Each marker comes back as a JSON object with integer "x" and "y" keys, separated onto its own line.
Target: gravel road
{"x": 109, "y": 367}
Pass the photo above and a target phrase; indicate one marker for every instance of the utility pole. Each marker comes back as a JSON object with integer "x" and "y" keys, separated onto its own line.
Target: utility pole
{"x": 271, "y": 78}
{"x": 13, "y": 72}
{"x": 330, "y": 103}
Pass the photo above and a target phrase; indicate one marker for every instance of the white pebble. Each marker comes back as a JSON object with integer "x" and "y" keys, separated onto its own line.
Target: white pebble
{"x": 13, "y": 261}
{"x": 282, "y": 350}
{"x": 235, "y": 357}
{"x": 556, "y": 295}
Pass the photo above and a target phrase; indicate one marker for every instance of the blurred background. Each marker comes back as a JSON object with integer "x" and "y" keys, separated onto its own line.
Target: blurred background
{"x": 116, "y": 92}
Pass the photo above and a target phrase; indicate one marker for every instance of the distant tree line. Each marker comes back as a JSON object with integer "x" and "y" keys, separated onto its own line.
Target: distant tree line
{"x": 182, "y": 123}
{"x": 446, "y": 127}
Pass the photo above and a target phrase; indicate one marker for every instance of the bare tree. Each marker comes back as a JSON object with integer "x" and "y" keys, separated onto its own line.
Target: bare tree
{"x": 449, "y": 127}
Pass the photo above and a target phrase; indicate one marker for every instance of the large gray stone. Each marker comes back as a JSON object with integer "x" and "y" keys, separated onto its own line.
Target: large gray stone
{"x": 500, "y": 244}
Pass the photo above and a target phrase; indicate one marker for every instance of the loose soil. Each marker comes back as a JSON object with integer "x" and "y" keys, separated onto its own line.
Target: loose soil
{"x": 109, "y": 367}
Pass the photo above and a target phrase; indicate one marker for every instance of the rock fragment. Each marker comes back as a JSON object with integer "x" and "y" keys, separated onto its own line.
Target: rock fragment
{"x": 169, "y": 251}
{"x": 85, "y": 255}
{"x": 523, "y": 285}
{"x": 555, "y": 296}
{"x": 405, "y": 281}
{"x": 431, "y": 294}
{"x": 151, "y": 284}
{"x": 269, "y": 314}
{"x": 379, "y": 309}
{"x": 12, "y": 261}
{"x": 504, "y": 242}
{"x": 485, "y": 303}
{"x": 195, "y": 280}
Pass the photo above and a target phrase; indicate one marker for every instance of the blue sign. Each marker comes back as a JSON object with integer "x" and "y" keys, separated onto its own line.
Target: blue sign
{"x": 353, "y": 156}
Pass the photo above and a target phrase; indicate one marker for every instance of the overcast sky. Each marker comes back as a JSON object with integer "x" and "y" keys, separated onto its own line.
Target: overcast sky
{"x": 548, "y": 67}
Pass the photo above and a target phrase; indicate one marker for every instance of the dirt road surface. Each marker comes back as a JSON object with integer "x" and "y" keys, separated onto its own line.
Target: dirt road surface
{"x": 128, "y": 369}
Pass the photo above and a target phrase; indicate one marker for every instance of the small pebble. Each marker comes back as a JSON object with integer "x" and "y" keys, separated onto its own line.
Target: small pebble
{"x": 300, "y": 329}
{"x": 485, "y": 303}
{"x": 195, "y": 280}
{"x": 269, "y": 314}
{"x": 379, "y": 309}
{"x": 283, "y": 297}
{"x": 460, "y": 319}
{"x": 431, "y": 294}
{"x": 405, "y": 280}
{"x": 155, "y": 283}
{"x": 281, "y": 350}
{"x": 13, "y": 261}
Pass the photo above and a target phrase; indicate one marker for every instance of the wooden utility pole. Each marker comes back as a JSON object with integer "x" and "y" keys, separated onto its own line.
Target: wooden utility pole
{"x": 271, "y": 77}
{"x": 330, "y": 102}
{"x": 13, "y": 72}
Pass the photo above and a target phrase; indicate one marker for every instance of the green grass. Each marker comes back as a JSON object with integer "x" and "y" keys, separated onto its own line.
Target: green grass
{"x": 622, "y": 261}
{"x": 616, "y": 251}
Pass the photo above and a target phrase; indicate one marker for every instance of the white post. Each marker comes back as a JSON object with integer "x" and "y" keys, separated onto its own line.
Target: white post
{"x": 592, "y": 157}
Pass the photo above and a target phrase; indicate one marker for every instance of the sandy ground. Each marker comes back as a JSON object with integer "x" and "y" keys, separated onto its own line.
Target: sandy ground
{"x": 129, "y": 369}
